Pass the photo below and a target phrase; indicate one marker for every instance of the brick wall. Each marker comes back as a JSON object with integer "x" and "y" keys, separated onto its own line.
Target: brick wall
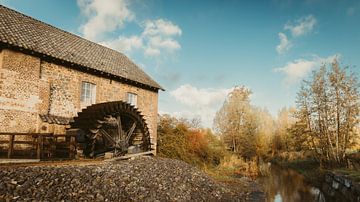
{"x": 30, "y": 86}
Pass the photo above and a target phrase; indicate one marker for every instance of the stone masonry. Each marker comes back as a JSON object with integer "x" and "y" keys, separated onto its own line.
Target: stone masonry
{"x": 30, "y": 86}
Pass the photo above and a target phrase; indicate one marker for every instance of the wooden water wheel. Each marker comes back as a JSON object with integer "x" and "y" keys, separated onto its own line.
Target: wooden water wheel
{"x": 111, "y": 127}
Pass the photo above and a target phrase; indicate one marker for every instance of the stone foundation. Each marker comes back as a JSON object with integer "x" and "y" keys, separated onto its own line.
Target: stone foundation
{"x": 341, "y": 187}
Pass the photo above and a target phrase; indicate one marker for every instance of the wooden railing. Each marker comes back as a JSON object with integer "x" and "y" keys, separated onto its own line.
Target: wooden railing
{"x": 44, "y": 145}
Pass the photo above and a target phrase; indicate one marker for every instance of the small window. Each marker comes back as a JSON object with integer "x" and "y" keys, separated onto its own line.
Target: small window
{"x": 132, "y": 99}
{"x": 88, "y": 94}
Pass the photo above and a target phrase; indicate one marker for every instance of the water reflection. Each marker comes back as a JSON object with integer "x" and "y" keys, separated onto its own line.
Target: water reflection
{"x": 286, "y": 185}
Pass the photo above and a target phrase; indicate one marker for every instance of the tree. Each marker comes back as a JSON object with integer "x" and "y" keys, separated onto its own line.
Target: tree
{"x": 283, "y": 139}
{"x": 230, "y": 120}
{"x": 328, "y": 112}
{"x": 172, "y": 141}
{"x": 245, "y": 129}
{"x": 265, "y": 129}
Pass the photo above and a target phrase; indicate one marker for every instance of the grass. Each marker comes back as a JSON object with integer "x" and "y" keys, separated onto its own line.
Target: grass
{"x": 351, "y": 174}
{"x": 230, "y": 177}
{"x": 232, "y": 168}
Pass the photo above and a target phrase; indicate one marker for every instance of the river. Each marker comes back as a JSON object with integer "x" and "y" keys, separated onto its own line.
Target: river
{"x": 287, "y": 185}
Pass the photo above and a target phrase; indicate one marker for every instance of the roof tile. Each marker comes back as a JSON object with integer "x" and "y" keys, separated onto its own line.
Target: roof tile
{"x": 23, "y": 31}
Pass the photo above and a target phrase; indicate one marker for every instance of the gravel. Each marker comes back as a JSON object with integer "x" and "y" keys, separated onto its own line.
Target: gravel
{"x": 139, "y": 179}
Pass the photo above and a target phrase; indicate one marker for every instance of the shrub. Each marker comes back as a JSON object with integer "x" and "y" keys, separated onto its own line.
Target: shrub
{"x": 178, "y": 140}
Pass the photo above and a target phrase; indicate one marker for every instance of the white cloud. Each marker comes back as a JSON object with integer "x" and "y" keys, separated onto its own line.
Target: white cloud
{"x": 298, "y": 69}
{"x": 302, "y": 26}
{"x": 161, "y": 27}
{"x": 125, "y": 44}
{"x": 103, "y": 16}
{"x": 157, "y": 44}
{"x": 193, "y": 96}
{"x": 152, "y": 52}
{"x": 159, "y": 36}
{"x": 284, "y": 45}
{"x": 200, "y": 102}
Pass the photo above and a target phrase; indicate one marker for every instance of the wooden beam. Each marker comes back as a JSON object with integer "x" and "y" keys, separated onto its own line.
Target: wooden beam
{"x": 120, "y": 135}
{"x": 106, "y": 135}
{"x": 27, "y": 134}
{"x": 128, "y": 156}
{"x": 11, "y": 146}
{"x": 72, "y": 147}
{"x": 39, "y": 147}
{"x": 130, "y": 132}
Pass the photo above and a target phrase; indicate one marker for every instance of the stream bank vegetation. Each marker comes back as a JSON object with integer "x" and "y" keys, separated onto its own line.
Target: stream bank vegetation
{"x": 234, "y": 151}
{"x": 328, "y": 114}
{"x": 320, "y": 132}
{"x": 184, "y": 140}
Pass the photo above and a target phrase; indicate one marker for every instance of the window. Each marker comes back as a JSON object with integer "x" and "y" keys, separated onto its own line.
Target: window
{"x": 132, "y": 99}
{"x": 88, "y": 94}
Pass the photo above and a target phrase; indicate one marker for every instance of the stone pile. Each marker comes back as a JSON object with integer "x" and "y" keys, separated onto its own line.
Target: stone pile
{"x": 140, "y": 179}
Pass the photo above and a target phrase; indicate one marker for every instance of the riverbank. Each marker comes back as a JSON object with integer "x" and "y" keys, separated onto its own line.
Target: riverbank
{"x": 252, "y": 190}
{"x": 338, "y": 184}
{"x": 309, "y": 168}
{"x": 143, "y": 178}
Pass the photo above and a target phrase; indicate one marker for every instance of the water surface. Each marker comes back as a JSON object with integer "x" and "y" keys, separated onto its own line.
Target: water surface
{"x": 284, "y": 184}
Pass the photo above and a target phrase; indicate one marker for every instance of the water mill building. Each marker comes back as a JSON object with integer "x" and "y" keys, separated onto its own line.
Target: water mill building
{"x": 48, "y": 76}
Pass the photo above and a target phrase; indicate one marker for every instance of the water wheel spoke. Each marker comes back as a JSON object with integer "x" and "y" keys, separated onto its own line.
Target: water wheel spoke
{"x": 119, "y": 129}
{"x": 107, "y": 136}
{"x": 130, "y": 132}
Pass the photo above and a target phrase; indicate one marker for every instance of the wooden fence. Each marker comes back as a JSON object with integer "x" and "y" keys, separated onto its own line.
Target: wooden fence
{"x": 38, "y": 145}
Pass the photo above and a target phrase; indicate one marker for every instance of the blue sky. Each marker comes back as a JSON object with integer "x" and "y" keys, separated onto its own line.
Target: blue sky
{"x": 199, "y": 50}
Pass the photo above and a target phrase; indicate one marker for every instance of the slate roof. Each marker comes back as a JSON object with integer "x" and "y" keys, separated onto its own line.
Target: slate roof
{"x": 25, "y": 32}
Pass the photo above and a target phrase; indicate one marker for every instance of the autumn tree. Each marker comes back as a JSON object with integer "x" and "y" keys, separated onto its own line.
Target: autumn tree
{"x": 328, "y": 112}
{"x": 265, "y": 129}
{"x": 244, "y": 128}
{"x": 283, "y": 139}
{"x": 230, "y": 120}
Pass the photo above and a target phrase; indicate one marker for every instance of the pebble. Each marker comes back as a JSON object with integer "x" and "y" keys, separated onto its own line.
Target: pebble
{"x": 138, "y": 179}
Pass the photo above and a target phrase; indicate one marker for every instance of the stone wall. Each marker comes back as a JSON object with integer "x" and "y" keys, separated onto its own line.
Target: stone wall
{"x": 30, "y": 86}
{"x": 19, "y": 92}
{"x": 338, "y": 186}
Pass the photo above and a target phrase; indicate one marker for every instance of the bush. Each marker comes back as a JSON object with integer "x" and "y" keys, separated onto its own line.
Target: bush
{"x": 179, "y": 140}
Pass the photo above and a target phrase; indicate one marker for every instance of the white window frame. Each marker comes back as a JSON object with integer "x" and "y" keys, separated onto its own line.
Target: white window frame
{"x": 88, "y": 94}
{"x": 132, "y": 99}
